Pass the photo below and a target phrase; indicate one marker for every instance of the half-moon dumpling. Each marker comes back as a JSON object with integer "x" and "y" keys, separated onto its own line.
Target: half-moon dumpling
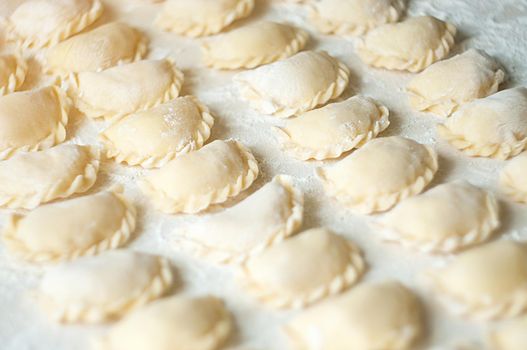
{"x": 201, "y": 17}
{"x": 447, "y": 218}
{"x": 32, "y": 120}
{"x": 445, "y": 85}
{"x": 263, "y": 219}
{"x": 294, "y": 85}
{"x": 381, "y": 315}
{"x": 509, "y": 336}
{"x": 153, "y": 137}
{"x": 411, "y": 45}
{"x": 494, "y": 126}
{"x": 513, "y": 178}
{"x": 103, "y": 287}
{"x": 126, "y": 88}
{"x": 29, "y": 179}
{"x": 101, "y": 48}
{"x": 303, "y": 269}
{"x": 175, "y": 323}
{"x": 194, "y": 181}
{"x": 331, "y": 130}
{"x": 353, "y": 17}
{"x": 380, "y": 174}
{"x": 13, "y": 70}
{"x": 39, "y": 23}
{"x": 486, "y": 282}
{"x": 66, "y": 230}
{"x": 253, "y": 45}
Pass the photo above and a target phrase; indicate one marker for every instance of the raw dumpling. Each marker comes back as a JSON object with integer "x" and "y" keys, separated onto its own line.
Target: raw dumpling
{"x": 32, "y": 120}
{"x": 445, "y": 85}
{"x": 486, "y": 282}
{"x": 66, "y": 230}
{"x": 494, "y": 126}
{"x": 330, "y": 131}
{"x": 353, "y": 17}
{"x": 510, "y": 336}
{"x": 263, "y": 219}
{"x": 103, "y": 287}
{"x": 125, "y": 89}
{"x": 294, "y": 85}
{"x": 303, "y": 269}
{"x": 201, "y": 17}
{"x": 513, "y": 178}
{"x": 381, "y": 315}
{"x": 380, "y": 174}
{"x": 153, "y": 137}
{"x": 39, "y": 23}
{"x": 411, "y": 45}
{"x": 13, "y": 70}
{"x": 194, "y": 181}
{"x": 175, "y": 323}
{"x": 253, "y": 45}
{"x": 445, "y": 219}
{"x": 29, "y": 179}
{"x": 101, "y": 48}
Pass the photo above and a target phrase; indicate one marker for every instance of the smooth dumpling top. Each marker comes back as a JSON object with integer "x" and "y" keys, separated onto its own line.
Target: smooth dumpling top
{"x": 329, "y": 131}
{"x": 444, "y": 219}
{"x": 445, "y": 85}
{"x": 13, "y": 70}
{"x": 201, "y": 17}
{"x": 153, "y": 137}
{"x": 510, "y": 336}
{"x": 486, "y": 282}
{"x": 126, "y": 88}
{"x": 194, "y": 181}
{"x": 103, "y": 287}
{"x": 494, "y": 126}
{"x": 353, "y": 17}
{"x": 41, "y": 23}
{"x": 381, "y": 315}
{"x": 411, "y": 45}
{"x": 380, "y": 174}
{"x": 253, "y": 45}
{"x": 32, "y": 120}
{"x": 513, "y": 178}
{"x": 296, "y": 84}
{"x": 86, "y": 225}
{"x": 101, "y": 48}
{"x": 29, "y": 179}
{"x": 303, "y": 269}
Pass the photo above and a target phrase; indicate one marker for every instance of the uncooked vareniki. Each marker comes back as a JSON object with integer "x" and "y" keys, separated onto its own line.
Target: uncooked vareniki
{"x": 513, "y": 178}
{"x": 13, "y": 70}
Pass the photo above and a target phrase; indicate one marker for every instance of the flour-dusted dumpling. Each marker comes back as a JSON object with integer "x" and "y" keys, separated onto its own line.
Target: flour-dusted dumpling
{"x": 39, "y": 23}
{"x": 201, "y": 17}
{"x": 509, "y": 336}
{"x": 381, "y": 315}
{"x": 330, "y": 131}
{"x": 32, "y": 120}
{"x": 513, "y": 178}
{"x": 486, "y": 282}
{"x": 353, "y": 17}
{"x": 153, "y": 137}
{"x": 77, "y": 227}
{"x": 380, "y": 174}
{"x": 303, "y": 269}
{"x": 103, "y": 287}
{"x": 29, "y": 179}
{"x": 106, "y": 46}
{"x": 447, "y": 218}
{"x": 263, "y": 219}
{"x": 13, "y": 70}
{"x": 494, "y": 126}
{"x": 445, "y": 85}
{"x": 175, "y": 323}
{"x": 126, "y": 88}
{"x": 294, "y": 85}
{"x": 194, "y": 181}
{"x": 253, "y": 45}
{"x": 411, "y": 45}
